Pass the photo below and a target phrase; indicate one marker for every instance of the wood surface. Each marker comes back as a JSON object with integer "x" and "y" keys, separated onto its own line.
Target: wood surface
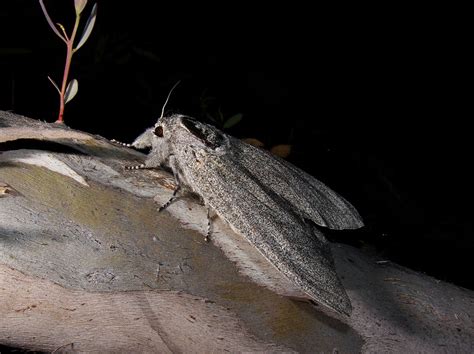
{"x": 88, "y": 264}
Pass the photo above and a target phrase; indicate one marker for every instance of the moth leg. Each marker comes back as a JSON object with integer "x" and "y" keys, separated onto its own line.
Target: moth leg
{"x": 149, "y": 164}
{"x": 139, "y": 167}
{"x": 120, "y": 143}
{"x": 208, "y": 233}
{"x": 171, "y": 200}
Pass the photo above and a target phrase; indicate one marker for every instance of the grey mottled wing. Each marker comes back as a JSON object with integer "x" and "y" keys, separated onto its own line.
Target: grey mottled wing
{"x": 290, "y": 243}
{"x": 310, "y": 197}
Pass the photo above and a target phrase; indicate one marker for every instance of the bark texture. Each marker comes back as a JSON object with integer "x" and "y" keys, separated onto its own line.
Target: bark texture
{"x": 88, "y": 264}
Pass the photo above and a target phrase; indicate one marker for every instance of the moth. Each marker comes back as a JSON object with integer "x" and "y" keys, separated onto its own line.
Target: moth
{"x": 269, "y": 201}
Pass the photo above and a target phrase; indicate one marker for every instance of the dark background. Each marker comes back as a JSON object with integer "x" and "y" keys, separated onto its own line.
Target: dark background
{"x": 373, "y": 100}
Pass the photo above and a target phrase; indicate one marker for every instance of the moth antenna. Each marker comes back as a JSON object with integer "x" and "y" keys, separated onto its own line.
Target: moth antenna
{"x": 167, "y": 98}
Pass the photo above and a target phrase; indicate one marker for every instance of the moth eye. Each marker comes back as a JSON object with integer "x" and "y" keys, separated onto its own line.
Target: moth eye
{"x": 159, "y": 131}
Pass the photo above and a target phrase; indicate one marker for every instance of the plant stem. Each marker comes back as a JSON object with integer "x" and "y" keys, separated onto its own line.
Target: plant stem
{"x": 70, "y": 52}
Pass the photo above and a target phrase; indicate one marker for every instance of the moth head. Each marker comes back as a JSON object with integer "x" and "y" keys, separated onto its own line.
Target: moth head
{"x": 150, "y": 138}
{"x": 160, "y": 134}
{"x": 163, "y": 128}
{"x": 144, "y": 141}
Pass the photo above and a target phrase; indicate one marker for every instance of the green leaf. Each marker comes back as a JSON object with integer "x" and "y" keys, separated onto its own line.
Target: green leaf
{"x": 79, "y": 4}
{"x": 232, "y": 121}
{"x": 54, "y": 84}
{"x": 71, "y": 90}
{"x": 50, "y": 22}
{"x": 88, "y": 27}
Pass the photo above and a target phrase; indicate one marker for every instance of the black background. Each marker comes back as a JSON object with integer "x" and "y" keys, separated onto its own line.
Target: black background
{"x": 373, "y": 100}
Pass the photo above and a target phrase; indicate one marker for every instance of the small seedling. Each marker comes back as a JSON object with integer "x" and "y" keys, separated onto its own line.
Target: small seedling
{"x": 69, "y": 90}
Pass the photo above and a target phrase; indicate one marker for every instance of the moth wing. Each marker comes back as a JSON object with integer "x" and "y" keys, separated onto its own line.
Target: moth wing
{"x": 310, "y": 197}
{"x": 266, "y": 219}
